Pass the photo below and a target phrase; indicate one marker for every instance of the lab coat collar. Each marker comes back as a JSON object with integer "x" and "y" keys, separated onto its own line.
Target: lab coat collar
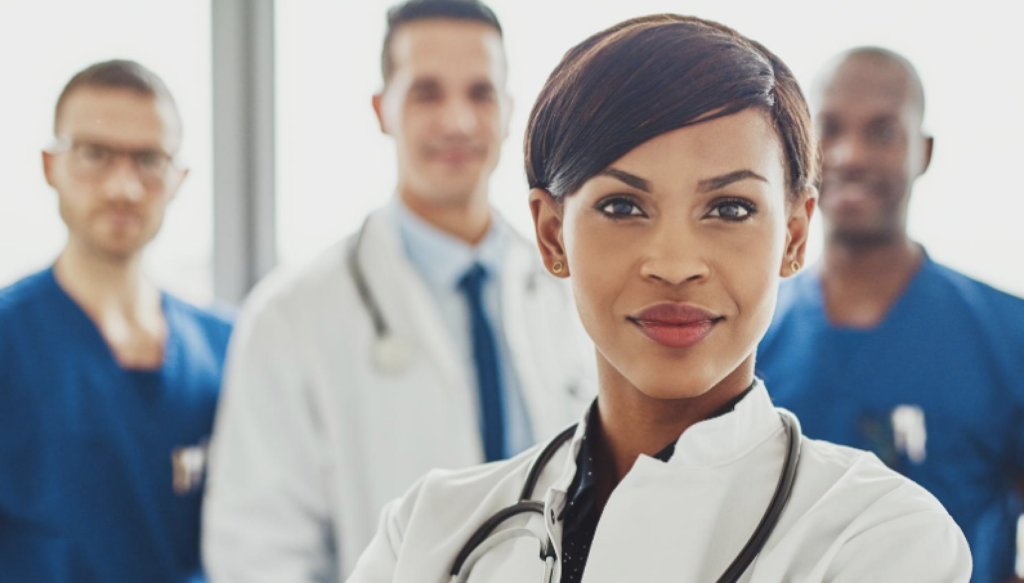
{"x": 584, "y": 479}
{"x": 711, "y": 443}
{"x": 725, "y": 439}
{"x": 391, "y": 269}
{"x": 443, "y": 259}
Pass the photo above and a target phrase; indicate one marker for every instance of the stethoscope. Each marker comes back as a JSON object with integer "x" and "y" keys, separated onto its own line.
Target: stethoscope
{"x": 391, "y": 354}
{"x": 483, "y": 541}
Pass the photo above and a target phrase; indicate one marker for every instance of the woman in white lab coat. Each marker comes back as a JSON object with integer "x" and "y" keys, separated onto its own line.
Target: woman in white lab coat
{"x": 672, "y": 167}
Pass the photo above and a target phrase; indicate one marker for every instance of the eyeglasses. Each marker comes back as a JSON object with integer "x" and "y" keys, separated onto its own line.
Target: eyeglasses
{"x": 93, "y": 160}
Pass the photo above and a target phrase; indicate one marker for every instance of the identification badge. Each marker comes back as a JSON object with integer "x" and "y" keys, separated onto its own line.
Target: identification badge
{"x": 189, "y": 465}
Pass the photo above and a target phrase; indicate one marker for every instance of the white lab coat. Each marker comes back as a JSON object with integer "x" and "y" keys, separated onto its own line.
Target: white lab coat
{"x": 850, "y": 519}
{"x": 311, "y": 440}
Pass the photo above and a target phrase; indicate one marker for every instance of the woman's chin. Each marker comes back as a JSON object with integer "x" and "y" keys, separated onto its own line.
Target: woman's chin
{"x": 672, "y": 388}
{"x": 671, "y": 377}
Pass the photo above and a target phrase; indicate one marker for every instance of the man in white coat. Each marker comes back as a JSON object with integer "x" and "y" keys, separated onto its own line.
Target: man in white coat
{"x": 431, "y": 338}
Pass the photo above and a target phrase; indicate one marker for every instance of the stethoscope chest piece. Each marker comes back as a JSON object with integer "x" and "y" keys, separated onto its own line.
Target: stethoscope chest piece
{"x": 392, "y": 354}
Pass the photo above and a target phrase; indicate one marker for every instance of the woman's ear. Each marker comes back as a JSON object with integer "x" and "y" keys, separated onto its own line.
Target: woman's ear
{"x": 547, "y": 222}
{"x": 797, "y": 229}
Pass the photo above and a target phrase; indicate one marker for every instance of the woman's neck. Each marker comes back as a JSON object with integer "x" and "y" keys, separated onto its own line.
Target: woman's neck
{"x": 633, "y": 423}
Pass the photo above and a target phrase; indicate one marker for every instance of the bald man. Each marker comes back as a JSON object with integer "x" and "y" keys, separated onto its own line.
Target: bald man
{"x": 881, "y": 348}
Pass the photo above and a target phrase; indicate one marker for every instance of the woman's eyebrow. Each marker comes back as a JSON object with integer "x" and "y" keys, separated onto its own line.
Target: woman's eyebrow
{"x": 710, "y": 184}
{"x": 630, "y": 179}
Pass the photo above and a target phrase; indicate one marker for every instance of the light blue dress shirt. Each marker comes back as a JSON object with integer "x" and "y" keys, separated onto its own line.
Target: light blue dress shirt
{"x": 442, "y": 260}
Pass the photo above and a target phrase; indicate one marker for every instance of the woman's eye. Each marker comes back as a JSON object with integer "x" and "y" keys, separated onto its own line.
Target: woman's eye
{"x": 733, "y": 210}
{"x": 621, "y": 208}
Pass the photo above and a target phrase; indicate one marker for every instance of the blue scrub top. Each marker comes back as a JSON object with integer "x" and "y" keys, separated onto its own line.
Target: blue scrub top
{"x": 101, "y": 467}
{"x": 936, "y": 390}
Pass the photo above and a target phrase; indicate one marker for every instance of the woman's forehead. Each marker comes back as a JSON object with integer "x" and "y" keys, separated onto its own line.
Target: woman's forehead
{"x": 740, "y": 141}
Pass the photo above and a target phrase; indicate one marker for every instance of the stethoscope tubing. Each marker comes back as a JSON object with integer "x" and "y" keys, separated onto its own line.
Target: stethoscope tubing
{"x": 355, "y": 270}
{"x": 524, "y": 505}
{"x": 780, "y": 499}
{"x": 391, "y": 353}
{"x": 739, "y": 565}
{"x": 482, "y": 540}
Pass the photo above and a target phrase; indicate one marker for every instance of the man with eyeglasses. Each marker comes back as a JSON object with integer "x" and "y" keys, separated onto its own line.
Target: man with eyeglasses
{"x": 107, "y": 384}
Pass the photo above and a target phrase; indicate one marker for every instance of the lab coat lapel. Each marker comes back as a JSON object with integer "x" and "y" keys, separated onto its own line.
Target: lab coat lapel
{"x": 411, "y": 310}
{"x": 686, "y": 520}
{"x": 558, "y": 477}
{"x": 518, "y": 288}
{"x": 725, "y": 439}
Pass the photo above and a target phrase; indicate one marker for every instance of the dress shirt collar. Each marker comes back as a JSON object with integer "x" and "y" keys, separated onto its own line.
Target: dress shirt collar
{"x": 443, "y": 259}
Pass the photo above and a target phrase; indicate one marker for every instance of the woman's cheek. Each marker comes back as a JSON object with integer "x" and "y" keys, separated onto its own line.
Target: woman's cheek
{"x": 755, "y": 281}
{"x": 598, "y": 274}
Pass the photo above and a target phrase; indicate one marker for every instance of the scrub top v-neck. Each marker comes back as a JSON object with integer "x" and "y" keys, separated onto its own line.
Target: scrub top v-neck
{"x": 103, "y": 464}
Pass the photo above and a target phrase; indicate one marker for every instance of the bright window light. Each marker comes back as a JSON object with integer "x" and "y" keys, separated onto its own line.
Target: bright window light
{"x": 334, "y": 166}
{"x": 42, "y": 44}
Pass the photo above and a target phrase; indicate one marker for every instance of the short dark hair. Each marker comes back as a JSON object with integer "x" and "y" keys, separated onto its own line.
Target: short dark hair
{"x": 651, "y": 75}
{"x": 916, "y": 86}
{"x": 116, "y": 74}
{"x": 415, "y": 10}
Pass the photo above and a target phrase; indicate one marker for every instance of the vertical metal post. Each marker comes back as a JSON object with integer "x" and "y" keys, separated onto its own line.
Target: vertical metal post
{"x": 243, "y": 145}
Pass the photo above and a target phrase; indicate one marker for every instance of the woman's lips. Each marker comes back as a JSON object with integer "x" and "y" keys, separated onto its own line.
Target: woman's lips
{"x": 675, "y": 325}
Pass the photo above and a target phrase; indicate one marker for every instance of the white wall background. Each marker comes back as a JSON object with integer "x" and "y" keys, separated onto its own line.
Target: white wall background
{"x": 43, "y": 43}
{"x": 335, "y": 166}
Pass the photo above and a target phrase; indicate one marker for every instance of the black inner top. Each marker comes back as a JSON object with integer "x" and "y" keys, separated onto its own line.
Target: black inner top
{"x": 581, "y": 515}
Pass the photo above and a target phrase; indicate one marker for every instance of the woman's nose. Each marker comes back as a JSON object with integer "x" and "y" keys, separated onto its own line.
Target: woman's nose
{"x": 675, "y": 256}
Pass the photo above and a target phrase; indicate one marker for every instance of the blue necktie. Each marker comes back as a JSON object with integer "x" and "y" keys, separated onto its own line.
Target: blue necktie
{"x": 488, "y": 365}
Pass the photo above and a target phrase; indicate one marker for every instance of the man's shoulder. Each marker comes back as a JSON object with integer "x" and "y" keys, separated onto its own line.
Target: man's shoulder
{"x": 24, "y": 293}
{"x": 216, "y": 319}
{"x": 799, "y": 295}
{"x": 302, "y": 286}
{"x": 798, "y": 308}
{"x": 26, "y": 289}
{"x": 28, "y": 322}
{"x": 801, "y": 285}
{"x": 995, "y": 316}
{"x": 976, "y": 293}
